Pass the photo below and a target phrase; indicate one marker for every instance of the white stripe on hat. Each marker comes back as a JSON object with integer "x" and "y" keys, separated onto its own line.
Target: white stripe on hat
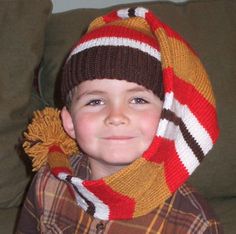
{"x": 123, "y": 13}
{"x": 117, "y": 41}
{"x": 186, "y": 155}
{"x": 139, "y": 11}
{"x": 167, "y": 129}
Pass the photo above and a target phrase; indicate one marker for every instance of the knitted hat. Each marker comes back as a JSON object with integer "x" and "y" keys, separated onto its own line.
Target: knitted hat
{"x": 186, "y": 132}
{"x": 123, "y": 49}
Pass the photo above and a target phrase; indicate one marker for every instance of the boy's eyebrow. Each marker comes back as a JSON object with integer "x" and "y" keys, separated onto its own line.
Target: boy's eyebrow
{"x": 138, "y": 89}
{"x": 92, "y": 92}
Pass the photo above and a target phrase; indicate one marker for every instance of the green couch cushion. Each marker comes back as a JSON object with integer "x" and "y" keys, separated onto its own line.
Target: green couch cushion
{"x": 23, "y": 25}
{"x": 209, "y": 26}
{"x": 225, "y": 210}
{"x": 8, "y": 220}
{"x": 63, "y": 31}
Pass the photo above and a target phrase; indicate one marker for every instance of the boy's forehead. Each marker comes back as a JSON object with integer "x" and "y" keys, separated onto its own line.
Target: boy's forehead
{"x": 107, "y": 85}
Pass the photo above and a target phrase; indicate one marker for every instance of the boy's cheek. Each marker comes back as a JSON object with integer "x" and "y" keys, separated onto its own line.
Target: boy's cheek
{"x": 150, "y": 123}
{"x": 85, "y": 127}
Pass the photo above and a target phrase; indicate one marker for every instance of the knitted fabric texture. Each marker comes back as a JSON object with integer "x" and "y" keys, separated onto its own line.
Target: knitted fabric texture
{"x": 123, "y": 49}
{"x": 46, "y": 141}
{"x": 186, "y": 132}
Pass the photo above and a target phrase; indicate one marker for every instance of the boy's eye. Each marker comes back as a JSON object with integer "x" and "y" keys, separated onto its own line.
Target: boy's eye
{"x": 139, "y": 101}
{"x": 95, "y": 102}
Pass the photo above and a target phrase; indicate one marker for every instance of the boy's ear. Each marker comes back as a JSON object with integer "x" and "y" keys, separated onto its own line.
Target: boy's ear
{"x": 67, "y": 122}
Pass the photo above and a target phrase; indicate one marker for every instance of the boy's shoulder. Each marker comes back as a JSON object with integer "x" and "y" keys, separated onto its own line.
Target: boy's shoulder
{"x": 189, "y": 200}
{"x": 186, "y": 211}
{"x": 50, "y": 202}
{"x": 191, "y": 211}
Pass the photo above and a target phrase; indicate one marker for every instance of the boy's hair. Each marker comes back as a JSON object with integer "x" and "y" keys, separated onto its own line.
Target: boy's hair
{"x": 121, "y": 49}
{"x": 68, "y": 98}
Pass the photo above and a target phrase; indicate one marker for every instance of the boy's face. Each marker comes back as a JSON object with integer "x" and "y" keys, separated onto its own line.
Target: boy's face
{"x": 113, "y": 121}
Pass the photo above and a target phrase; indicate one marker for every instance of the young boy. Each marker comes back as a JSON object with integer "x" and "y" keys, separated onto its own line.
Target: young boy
{"x": 140, "y": 107}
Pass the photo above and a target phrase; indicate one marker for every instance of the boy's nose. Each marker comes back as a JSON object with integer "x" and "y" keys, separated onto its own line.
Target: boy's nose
{"x": 116, "y": 117}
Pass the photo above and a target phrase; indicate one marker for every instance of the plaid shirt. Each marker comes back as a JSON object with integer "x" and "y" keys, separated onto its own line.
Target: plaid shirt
{"x": 50, "y": 207}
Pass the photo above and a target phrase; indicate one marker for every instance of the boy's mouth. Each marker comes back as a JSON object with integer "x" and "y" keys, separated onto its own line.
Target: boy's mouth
{"x": 118, "y": 138}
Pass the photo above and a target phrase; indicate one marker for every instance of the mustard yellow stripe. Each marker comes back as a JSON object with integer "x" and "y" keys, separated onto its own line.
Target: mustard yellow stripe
{"x": 98, "y": 22}
{"x": 139, "y": 24}
{"x": 57, "y": 159}
{"x": 187, "y": 66}
{"x": 158, "y": 193}
{"x": 135, "y": 182}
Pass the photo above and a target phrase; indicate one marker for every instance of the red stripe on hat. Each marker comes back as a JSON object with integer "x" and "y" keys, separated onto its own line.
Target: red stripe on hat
{"x": 168, "y": 79}
{"x": 175, "y": 172}
{"x": 122, "y": 32}
{"x": 55, "y": 148}
{"x": 152, "y": 154}
{"x": 111, "y": 17}
{"x": 112, "y": 199}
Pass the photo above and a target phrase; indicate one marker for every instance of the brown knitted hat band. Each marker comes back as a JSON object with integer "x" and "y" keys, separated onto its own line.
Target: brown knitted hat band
{"x": 112, "y": 62}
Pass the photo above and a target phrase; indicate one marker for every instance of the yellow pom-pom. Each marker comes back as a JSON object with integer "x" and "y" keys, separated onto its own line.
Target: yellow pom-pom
{"x": 44, "y": 132}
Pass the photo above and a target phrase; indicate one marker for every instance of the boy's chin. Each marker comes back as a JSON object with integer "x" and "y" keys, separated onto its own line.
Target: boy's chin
{"x": 115, "y": 159}
{"x": 120, "y": 161}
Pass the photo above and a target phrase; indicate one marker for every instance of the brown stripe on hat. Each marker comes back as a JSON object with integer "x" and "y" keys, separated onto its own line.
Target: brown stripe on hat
{"x": 113, "y": 62}
{"x": 171, "y": 116}
{"x": 191, "y": 142}
{"x": 131, "y": 12}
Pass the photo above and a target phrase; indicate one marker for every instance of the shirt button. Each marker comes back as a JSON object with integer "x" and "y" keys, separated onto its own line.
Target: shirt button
{"x": 100, "y": 227}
